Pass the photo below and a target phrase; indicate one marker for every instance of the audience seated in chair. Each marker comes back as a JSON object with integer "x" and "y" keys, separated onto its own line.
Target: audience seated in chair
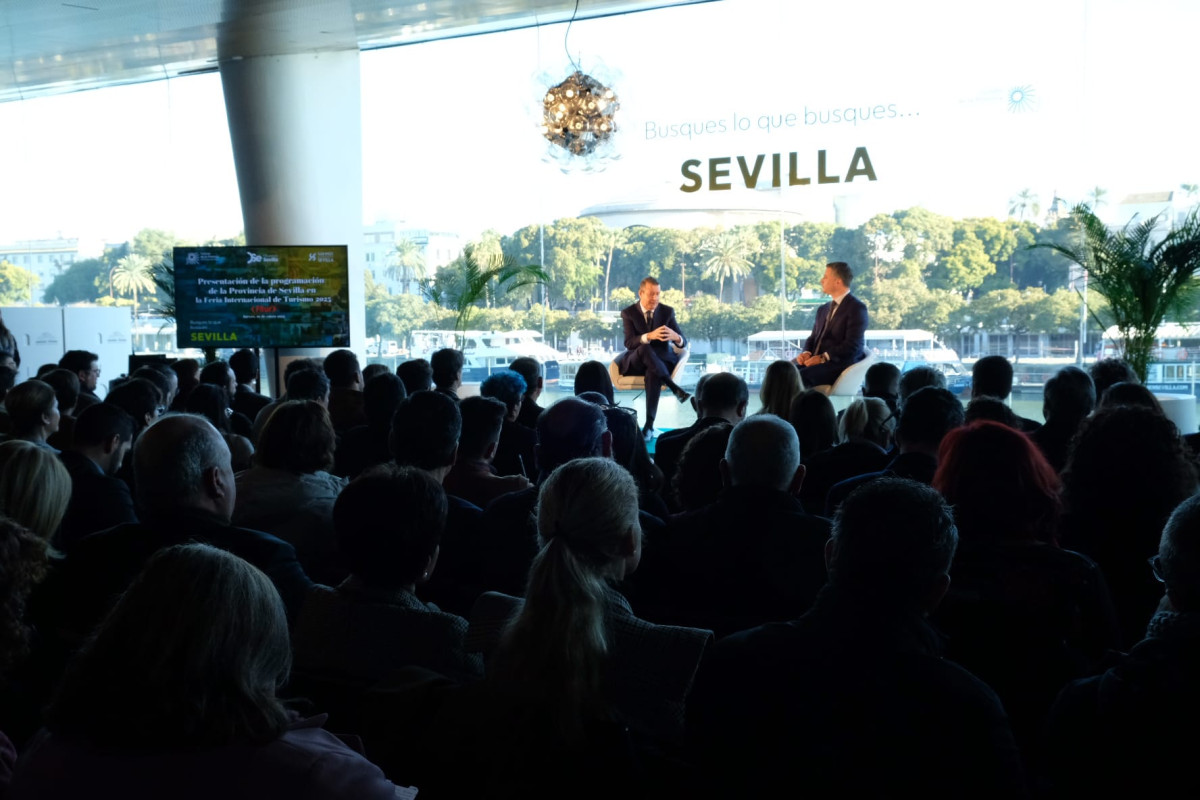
{"x": 853, "y": 699}
{"x": 865, "y": 433}
{"x": 698, "y": 477}
{"x": 719, "y": 398}
{"x": 366, "y": 445}
{"x": 175, "y": 697}
{"x": 515, "y": 451}
{"x": 473, "y": 478}
{"x": 780, "y": 385}
{"x": 1068, "y": 397}
{"x": 99, "y": 500}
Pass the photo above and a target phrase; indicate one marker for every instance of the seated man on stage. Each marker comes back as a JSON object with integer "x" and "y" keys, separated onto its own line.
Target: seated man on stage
{"x": 838, "y": 335}
{"x": 653, "y": 346}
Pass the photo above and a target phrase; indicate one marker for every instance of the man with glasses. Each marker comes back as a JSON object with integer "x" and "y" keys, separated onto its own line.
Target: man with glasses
{"x": 87, "y": 366}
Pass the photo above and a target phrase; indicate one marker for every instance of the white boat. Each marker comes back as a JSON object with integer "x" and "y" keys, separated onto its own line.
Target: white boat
{"x": 484, "y": 352}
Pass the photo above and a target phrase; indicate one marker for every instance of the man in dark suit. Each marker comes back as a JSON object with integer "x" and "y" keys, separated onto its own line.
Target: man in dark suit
{"x": 99, "y": 499}
{"x": 653, "y": 344}
{"x": 839, "y": 333}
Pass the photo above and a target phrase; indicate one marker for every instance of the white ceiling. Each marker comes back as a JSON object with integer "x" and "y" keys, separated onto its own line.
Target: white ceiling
{"x": 52, "y": 46}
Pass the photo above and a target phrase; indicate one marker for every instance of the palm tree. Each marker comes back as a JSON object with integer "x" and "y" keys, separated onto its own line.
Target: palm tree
{"x": 1097, "y": 197}
{"x": 1190, "y": 188}
{"x": 467, "y": 283}
{"x": 1143, "y": 280}
{"x": 1025, "y": 199}
{"x": 133, "y": 273}
{"x": 407, "y": 264}
{"x": 726, "y": 259}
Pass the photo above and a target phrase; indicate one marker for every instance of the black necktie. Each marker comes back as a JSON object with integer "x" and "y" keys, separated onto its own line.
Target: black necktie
{"x": 649, "y": 319}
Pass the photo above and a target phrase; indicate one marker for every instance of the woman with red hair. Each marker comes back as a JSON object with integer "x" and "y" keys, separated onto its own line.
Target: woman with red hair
{"x": 1021, "y": 613}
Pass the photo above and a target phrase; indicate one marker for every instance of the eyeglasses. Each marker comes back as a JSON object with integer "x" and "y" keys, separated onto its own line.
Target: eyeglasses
{"x": 1156, "y": 568}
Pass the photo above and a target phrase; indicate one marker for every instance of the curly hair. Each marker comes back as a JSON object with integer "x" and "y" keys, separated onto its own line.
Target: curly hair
{"x": 24, "y": 558}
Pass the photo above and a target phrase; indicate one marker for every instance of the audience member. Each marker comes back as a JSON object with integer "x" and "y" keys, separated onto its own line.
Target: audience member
{"x": 447, "y": 367}
{"x": 697, "y": 478}
{"x": 1067, "y": 399}
{"x": 755, "y": 541}
{"x": 918, "y": 378}
{"x": 211, "y": 402}
{"x": 371, "y": 370}
{"x": 865, "y": 430}
{"x": 35, "y": 488}
{"x": 815, "y": 422}
{"x": 289, "y": 493}
{"x": 373, "y": 623}
{"x": 929, "y": 414}
{"x": 780, "y": 385}
{"x": 1128, "y": 469}
{"x": 473, "y": 478}
{"x": 186, "y": 492}
{"x": 345, "y": 390}
{"x": 8, "y": 344}
{"x": 86, "y": 367}
{"x": 982, "y": 407}
{"x": 629, "y": 450}
{"x": 33, "y": 409}
{"x": 8, "y": 379}
{"x": 66, "y": 390}
{"x": 160, "y": 381}
{"x": 99, "y": 500}
{"x": 1124, "y": 393}
{"x": 1105, "y": 372}
{"x": 187, "y": 373}
{"x": 1022, "y": 614}
{"x": 515, "y": 453}
{"x": 246, "y": 398}
{"x": 883, "y": 381}
{"x": 417, "y": 375}
{"x": 992, "y": 376}
{"x": 574, "y": 649}
{"x": 220, "y": 375}
{"x": 311, "y": 386}
{"x": 529, "y": 369}
{"x": 1110, "y": 734}
{"x": 365, "y": 446}
{"x": 719, "y": 398}
{"x": 853, "y": 698}
{"x": 175, "y": 697}
{"x": 592, "y": 376}
{"x": 24, "y": 558}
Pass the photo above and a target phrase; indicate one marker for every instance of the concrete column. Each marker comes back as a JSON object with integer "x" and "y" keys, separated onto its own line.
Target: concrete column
{"x": 295, "y": 125}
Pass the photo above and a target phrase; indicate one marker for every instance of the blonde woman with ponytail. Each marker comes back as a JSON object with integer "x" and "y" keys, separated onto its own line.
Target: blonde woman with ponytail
{"x": 574, "y": 645}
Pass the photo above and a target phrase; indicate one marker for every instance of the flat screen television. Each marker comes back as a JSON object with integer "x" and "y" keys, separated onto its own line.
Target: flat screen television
{"x": 295, "y": 296}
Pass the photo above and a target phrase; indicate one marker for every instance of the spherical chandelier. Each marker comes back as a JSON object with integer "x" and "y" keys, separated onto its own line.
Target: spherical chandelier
{"x": 579, "y": 114}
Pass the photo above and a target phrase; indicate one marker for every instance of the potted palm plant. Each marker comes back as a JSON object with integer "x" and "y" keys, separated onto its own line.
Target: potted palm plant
{"x": 468, "y": 282}
{"x": 1144, "y": 278}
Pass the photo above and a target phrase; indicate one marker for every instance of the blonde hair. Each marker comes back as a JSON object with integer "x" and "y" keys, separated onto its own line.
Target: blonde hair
{"x": 35, "y": 487}
{"x": 557, "y": 646}
{"x": 867, "y": 418}
{"x": 781, "y": 384}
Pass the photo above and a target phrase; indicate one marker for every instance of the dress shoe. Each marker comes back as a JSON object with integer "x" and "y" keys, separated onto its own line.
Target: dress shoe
{"x": 649, "y": 434}
{"x": 682, "y": 395}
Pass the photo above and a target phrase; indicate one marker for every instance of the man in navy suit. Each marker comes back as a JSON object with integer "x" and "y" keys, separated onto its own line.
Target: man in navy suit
{"x": 653, "y": 345}
{"x": 838, "y": 336}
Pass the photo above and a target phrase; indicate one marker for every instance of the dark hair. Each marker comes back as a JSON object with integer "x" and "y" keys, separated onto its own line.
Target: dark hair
{"x": 211, "y": 402}
{"x": 301, "y": 365}
{"x": 78, "y": 360}
{"x": 815, "y": 421}
{"x": 216, "y": 373}
{"x": 446, "y": 364}
{"x": 374, "y": 370}
{"x": 1107, "y": 371}
{"x": 27, "y": 403}
{"x": 186, "y": 368}
{"x": 723, "y": 392}
{"x": 647, "y": 281}
{"x": 982, "y": 407}
{"x": 24, "y": 559}
{"x": 44, "y": 368}
{"x": 297, "y": 437}
{"x": 341, "y": 367}
{"x": 697, "y": 480}
{"x": 100, "y": 422}
{"x": 570, "y": 428}
{"x": 999, "y": 483}
{"x": 381, "y": 394}
{"x": 417, "y": 375}
{"x": 244, "y": 364}
{"x": 1124, "y": 393}
{"x": 928, "y": 415}
{"x": 842, "y": 270}
{"x": 529, "y": 369}
{"x": 190, "y": 656}
{"x": 918, "y": 378}
{"x": 388, "y": 521}
{"x": 425, "y": 430}
{"x": 160, "y": 381}
{"x": 506, "y": 386}
{"x": 307, "y": 384}
{"x": 1069, "y": 394}
{"x": 8, "y": 378}
{"x": 66, "y": 387}
{"x": 1179, "y": 555}
{"x": 482, "y": 419}
{"x": 993, "y": 376}
{"x": 882, "y": 378}
{"x": 592, "y": 376}
{"x": 892, "y": 539}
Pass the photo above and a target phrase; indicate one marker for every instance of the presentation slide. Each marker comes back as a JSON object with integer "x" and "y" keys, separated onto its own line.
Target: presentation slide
{"x": 296, "y": 296}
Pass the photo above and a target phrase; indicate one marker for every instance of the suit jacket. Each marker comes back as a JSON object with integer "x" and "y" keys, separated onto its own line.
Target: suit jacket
{"x": 845, "y": 341}
{"x": 634, "y": 322}
{"x": 249, "y": 402}
{"x": 98, "y": 501}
